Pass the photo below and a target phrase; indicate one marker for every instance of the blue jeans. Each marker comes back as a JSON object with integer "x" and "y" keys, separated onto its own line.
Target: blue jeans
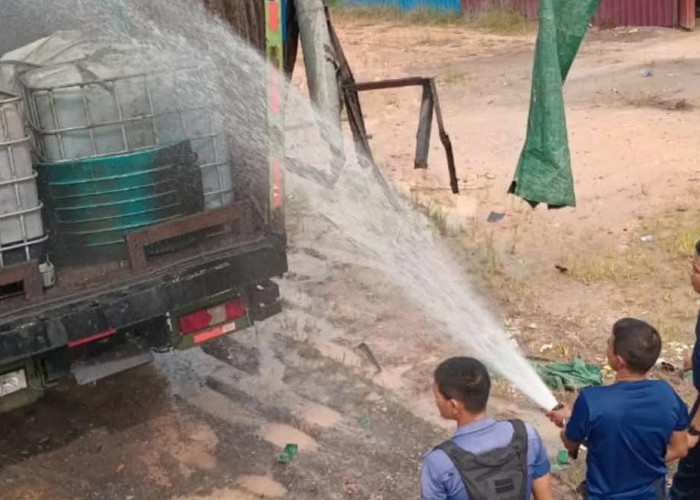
{"x": 686, "y": 483}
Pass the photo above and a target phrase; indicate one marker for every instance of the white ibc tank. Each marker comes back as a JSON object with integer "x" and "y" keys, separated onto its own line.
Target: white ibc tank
{"x": 21, "y": 229}
{"x": 111, "y": 104}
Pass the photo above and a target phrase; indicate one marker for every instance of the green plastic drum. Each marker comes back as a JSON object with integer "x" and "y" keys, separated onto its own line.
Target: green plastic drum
{"x": 90, "y": 205}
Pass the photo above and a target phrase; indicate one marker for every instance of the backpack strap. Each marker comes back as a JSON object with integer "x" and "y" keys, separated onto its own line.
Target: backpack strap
{"x": 520, "y": 442}
{"x": 459, "y": 456}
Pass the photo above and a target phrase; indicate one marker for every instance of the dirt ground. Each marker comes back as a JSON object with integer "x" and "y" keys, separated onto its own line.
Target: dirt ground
{"x": 210, "y": 423}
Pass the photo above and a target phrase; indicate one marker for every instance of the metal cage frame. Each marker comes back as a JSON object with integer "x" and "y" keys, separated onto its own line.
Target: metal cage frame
{"x": 150, "y": 118}
{"x": 26, "y": 242}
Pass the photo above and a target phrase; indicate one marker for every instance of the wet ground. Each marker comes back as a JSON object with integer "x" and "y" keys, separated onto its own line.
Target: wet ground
{"x": 211, "y": 423}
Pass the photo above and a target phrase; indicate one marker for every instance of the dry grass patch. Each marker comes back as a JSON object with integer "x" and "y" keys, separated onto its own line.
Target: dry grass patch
{"x": 612, "y": 266}
{"x": 435, "y": 213}
{"x": 495, "y": 20}
{"x": 500, "y": 21}
{"x": 393, "y": 15}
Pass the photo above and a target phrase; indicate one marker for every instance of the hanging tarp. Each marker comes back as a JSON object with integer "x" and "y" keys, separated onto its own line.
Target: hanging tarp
{"x": 544, "y": 170}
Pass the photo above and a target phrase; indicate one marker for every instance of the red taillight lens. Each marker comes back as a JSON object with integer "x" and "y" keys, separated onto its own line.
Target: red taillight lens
{"x": 211, "y": 316}
{"x": 234, "y": 309}
{"x": 194, "y": 322}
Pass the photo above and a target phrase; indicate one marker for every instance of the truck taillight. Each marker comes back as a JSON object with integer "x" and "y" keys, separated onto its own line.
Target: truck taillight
{"x": 211, "y": 316}
{"x": 194, "y": 322}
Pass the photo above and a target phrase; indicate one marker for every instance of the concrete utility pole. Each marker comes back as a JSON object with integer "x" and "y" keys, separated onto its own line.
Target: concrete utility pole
{"x": 319, "y": 59}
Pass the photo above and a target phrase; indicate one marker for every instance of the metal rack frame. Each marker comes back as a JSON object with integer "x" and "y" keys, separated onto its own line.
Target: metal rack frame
{"x": 26, "y": 242}
{"x": 150, "y": 118}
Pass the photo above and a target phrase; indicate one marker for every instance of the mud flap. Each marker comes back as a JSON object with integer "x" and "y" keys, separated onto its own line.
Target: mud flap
{"x": 265, "y": 300}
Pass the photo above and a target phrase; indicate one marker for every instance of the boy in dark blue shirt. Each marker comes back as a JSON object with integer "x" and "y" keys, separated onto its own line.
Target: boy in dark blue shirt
{"x": 686, "y": 483}
{"x": 632, "y": 427}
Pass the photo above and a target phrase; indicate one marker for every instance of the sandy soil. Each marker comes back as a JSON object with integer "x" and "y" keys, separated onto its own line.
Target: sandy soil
{"x": 209, "y": 424}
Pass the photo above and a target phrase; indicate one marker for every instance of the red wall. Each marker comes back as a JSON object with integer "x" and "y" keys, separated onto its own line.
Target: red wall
{"x": 610, "y": 12}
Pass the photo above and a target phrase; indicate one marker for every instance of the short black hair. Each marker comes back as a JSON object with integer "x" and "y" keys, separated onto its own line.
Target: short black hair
{"x": 697, "y": 247}
{"x": 637, "y": 342}
{"x": 466, "y": 380}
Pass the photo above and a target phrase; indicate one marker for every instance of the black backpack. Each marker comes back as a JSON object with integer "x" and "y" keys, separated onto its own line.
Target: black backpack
{"x": 499, "y": 474}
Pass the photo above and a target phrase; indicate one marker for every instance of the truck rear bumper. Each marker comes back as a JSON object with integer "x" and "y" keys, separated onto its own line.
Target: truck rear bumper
{"x": 74, "y": 321}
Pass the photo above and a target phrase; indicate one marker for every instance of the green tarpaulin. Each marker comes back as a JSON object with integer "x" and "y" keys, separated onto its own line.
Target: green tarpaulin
{"x": 574, "y": 375}
{"x": 544, "y": 170}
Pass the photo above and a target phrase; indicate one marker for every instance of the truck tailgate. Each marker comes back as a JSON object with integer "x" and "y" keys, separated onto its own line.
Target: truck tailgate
{"x": 113, "y": 298}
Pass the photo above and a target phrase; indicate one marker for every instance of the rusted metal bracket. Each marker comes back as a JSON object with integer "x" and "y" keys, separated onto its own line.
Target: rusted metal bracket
{"x": 430, "y": 104}
{"x": 138, "y": 241}
{"x": 27, "y": 274}
{"x": 350, "y": 98}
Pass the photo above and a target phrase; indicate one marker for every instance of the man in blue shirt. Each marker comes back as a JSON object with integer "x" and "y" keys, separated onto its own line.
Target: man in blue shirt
{"x": 632, "y": 427}
{"x": 686, "y": 483}
{"x": 485, "y": 458}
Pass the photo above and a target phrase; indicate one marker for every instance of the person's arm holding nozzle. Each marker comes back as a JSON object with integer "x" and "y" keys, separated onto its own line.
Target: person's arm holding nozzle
{"x": 574, "y": 425}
